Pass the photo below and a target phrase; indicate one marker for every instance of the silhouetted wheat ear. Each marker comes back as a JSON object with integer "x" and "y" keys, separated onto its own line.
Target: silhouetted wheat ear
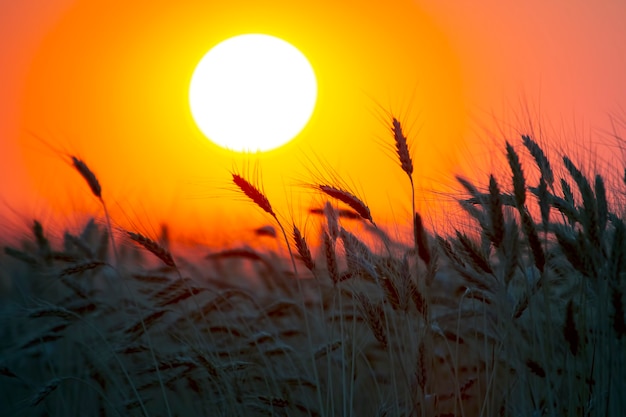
{"x": 469, "y": 187}
{"x": 146, "y": 321}
{"x": 602, "y": 204}
{"x": 418, "y": 299}
{"x": 80, "y": 268}
{"x": 590, "y": 218}
{"x": 44, "y": 391}
{"x": 570, "y": 332}
{"x": 358, "y": 256}
{"x": 375, "y": 318}
{"x": 153, "y": 247}
{"x": 392, "y": 295}
{"x": 528, "y": 225}
{"x": 544, "y": 202}
{"x": 4, "y": 371}
{"x": 402, "y": 148}
{"x": 421, "y": 238}
{"x": 519, "y": 183}
{"x": 619, "y": 319}
{"x": 21, "y": 255}
{"x": 331, "y": 220}
{"x": 42, "y": 241}
{"x": 303, "y": 249}
{"x": 422, "y": 366}
{"x": 253, "y": 193}
{"x": 540, "y": 159}
{"x": 348, "y": 198}
{"x": 473, "y": 253}
{"x": 535, "y": 368}
{"x": 496, "y": 216}
{"x": 88, "y": 175}
{"x": 274, "y": 401}
{"x": 331, "y": 257}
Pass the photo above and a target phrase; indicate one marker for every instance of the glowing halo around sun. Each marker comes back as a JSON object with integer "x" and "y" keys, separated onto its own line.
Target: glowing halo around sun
{"x": 252, "y": 93}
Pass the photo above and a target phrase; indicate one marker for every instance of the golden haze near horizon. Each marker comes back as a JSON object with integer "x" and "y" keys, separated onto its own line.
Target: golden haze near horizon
{"x": 110, "y": 84}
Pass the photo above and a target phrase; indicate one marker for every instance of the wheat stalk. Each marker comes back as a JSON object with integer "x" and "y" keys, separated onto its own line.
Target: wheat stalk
{"x": 94, "y": 185}
{"x": 254, "y": 194}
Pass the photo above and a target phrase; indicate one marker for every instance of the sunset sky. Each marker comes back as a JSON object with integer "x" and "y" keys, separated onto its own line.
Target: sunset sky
{"x": 107, "y": 81}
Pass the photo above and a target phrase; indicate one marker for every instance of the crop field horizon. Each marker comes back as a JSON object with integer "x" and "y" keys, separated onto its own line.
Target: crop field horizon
{"x": 516, "y": 310}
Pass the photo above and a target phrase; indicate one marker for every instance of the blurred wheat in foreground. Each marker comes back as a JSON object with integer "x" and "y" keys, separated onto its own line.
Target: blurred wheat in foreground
{"x": 522, "y": 315}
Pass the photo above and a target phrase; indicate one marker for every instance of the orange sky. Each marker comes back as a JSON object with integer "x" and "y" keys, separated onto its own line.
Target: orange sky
{"x": 107, "y": 81}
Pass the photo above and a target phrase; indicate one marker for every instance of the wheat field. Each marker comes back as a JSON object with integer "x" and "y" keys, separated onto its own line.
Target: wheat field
{"x": 519, "y": 314}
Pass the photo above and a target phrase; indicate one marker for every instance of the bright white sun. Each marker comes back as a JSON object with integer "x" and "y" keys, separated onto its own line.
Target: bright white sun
{"x": 252, "y": 93}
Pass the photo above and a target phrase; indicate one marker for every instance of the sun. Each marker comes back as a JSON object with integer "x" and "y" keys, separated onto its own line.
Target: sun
{"x": 252, "y": 93}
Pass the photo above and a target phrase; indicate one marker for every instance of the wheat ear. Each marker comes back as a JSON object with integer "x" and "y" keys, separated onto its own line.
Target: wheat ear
{"x": 540, "y": 159}
{"x": 157, "y": 250}
{"x": 331, "y": 257}
{"x": 590, "y": 219}
{"x": 44, "y": 391}
{"x": 402, "y": 149}
{"x": 254, "y": 194}
{"x": 332, "y": 222}
{"x": 421, "y": 238}
{"x": 519, "y": 183}
{"x": 96, "y": 190}
{"x": 619, "y": 318}
{"x": 303, "y": 249}
{"x": 80, "y": 268}
{"x": 570, "y": 332}
{"x": 496, "y": 216}
{"x": 348, "y": 198}
{"x": 374, "y": 316}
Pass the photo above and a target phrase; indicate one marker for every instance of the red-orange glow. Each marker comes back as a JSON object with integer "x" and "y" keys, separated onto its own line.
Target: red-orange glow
{"x": 108, "y": 82}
